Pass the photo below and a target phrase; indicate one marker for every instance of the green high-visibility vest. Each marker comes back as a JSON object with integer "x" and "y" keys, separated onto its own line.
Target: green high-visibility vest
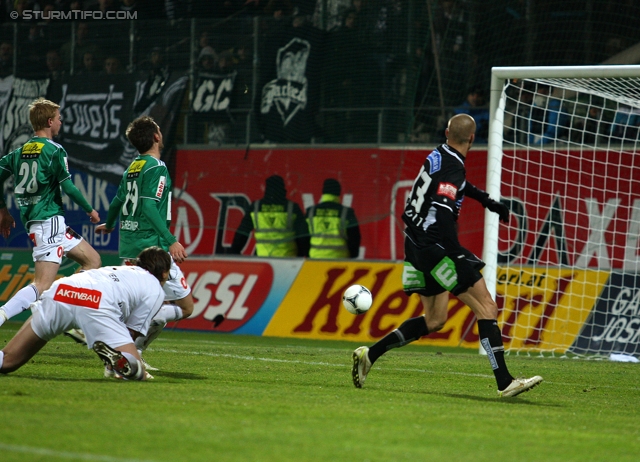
{"x": 273, "y": 228}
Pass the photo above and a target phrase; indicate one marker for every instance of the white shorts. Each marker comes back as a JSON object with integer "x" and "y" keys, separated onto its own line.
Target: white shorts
{"x": 176, "y": 287}
{"x": 52, "y": 240}
{"x": 52, "y": 318}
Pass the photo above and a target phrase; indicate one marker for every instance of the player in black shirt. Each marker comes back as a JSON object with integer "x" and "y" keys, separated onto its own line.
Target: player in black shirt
{"x": 436, "y": 263}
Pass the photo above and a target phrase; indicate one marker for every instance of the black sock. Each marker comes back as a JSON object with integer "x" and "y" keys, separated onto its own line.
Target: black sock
{"x": 491, "y": 341}
{"x": 410, "y": 331}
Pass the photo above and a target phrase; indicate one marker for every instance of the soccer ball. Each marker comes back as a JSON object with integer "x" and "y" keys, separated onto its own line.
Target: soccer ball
{"x": 357, "y": 299}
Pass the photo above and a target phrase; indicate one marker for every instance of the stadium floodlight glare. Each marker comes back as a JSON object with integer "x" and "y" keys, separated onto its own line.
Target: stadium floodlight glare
{"x": 564, "y": 155}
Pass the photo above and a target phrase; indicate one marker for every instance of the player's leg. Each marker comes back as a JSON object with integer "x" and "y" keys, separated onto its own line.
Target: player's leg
{"x": 52, "y": 240}
{"x": 45, "y": 274}
{"x": 179, "y": 305}
{"x": 435, "y": 315}
{"x": 85, "y": 255}
{"x": 124, "y": 360}
{"x": 109, "y": 337}
{"x": 478, "y": 298}
{"x": 45, "y": 324}
{"x": 20, "y": 349}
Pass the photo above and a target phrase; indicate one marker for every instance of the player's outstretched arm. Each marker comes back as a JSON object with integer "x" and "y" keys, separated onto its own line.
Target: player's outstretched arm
{"x": 6, "y": 222}
{"x": 76, "y": 196}
{"x": 481, "y": 196}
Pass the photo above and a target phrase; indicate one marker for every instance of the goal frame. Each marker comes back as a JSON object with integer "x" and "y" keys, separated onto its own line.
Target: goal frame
{"x": 495, "y": 142}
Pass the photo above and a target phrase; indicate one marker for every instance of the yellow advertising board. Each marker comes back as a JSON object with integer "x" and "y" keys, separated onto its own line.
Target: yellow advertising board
{"x": 545, "y": 308}
{"x": 538, "y": 306}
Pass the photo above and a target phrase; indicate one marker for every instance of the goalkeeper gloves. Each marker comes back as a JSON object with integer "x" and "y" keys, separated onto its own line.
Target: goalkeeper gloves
{"x": 499, "y": 208}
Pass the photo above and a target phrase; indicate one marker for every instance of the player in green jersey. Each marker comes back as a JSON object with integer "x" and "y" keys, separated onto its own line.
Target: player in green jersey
{"x": 40, "y": 171}
{"x": 143, "y": 204}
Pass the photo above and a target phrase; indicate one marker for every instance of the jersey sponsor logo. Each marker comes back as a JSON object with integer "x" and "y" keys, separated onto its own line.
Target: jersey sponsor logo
{"x": 78, "y": 296}
{"x": 27, "y": 201}
{"x": 445, "y": 273}
{"x": 135, "y": 168}
{"x": 447, "y": 190}
{"x": 129, "y": 225}
{"x": 31, "y": 150}
{"x": 435, "y": 162}
{"x": 412, "y": 278}
{"x": 162, "y": 184}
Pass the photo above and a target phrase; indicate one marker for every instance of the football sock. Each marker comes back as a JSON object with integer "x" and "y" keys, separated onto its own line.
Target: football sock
{"x": 491, "y": 341}
{"x": 136, "y": 367}
{"x": 409, "y": 331}
{"x": 1, "y": 359}
{"x": 143, "y": 341}
{"x": 167, "y": 313}
{"x": 21, "y": 301}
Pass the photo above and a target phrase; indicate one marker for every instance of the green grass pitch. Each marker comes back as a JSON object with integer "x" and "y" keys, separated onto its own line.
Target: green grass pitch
{"x": 240, "y": 398}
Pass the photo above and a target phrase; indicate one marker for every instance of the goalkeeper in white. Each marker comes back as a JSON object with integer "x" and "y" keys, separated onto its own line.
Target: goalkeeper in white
{"x": 112, "y": 305}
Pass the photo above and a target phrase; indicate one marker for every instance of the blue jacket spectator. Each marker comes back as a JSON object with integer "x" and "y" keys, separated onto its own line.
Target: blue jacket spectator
{"x": 548, "y": 121}
{"x": 474, "y": 105}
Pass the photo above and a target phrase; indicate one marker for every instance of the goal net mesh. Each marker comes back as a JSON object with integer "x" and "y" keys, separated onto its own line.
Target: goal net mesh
{"x": 567, "y": 272}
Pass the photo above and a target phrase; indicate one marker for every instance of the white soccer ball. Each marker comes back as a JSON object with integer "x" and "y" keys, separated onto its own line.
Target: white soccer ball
{"x": 357, "y": 299}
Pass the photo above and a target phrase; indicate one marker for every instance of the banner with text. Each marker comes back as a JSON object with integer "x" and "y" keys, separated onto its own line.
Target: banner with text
{"x": 95, "y": 114}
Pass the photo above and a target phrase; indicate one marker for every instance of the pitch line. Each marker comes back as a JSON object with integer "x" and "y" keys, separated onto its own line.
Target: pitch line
{"x": 64, "y": 454}
{"x": 307, "y": 363}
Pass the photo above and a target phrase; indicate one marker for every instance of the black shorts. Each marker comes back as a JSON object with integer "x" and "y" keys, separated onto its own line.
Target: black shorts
{"x": 430, "y": 270}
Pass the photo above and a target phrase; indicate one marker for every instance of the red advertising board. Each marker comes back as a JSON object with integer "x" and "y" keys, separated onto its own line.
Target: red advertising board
{"x": 575, "y": 208}
{"x": 212, "y": 186}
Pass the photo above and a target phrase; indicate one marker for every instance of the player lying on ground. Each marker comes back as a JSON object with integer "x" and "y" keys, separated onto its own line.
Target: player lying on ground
{"x": 436, "y": 263}
{"x": 112, "y": 305}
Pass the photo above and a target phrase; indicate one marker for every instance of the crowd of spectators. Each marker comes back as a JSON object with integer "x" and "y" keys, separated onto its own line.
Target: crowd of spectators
{"x": 379, "y": 57}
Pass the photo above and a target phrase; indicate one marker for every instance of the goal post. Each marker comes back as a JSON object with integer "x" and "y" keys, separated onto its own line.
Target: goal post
{"x": 563, "y": 154}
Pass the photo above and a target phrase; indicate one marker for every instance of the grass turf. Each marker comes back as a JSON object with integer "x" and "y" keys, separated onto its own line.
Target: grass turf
{"x": 240, "y": 398}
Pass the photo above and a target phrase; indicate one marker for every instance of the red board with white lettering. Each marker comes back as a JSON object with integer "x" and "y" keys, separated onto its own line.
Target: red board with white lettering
{"x": 234, "y": 289}
{"x": 576, "y": 208}
{"x": 212, "y": 186}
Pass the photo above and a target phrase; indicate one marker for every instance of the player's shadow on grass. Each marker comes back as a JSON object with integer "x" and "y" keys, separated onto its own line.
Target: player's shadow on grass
{"x": 178, "y": 375}
{"x": 509, "y": 401}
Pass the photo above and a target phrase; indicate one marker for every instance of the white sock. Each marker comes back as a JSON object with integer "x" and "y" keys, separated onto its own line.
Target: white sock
{"x": 21, "y": 301}
{"x": 1, "y": 359}
{"x": 136, "y": 367}
{"x": 168, "y": 313}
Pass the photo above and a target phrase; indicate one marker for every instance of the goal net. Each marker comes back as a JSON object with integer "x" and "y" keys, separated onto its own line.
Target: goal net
{"x": 564, "y": 156}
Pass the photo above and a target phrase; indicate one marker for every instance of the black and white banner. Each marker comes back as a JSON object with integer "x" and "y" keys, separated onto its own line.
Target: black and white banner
{"x": 213, "y": 93}
{"x": 15, "y": 96}
{"x": 95, "y": 114}
{"x": 290, "y": 89}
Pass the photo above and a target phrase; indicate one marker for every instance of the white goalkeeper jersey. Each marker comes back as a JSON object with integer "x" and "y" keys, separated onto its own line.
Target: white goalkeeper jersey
{"x": 130, "y": 293}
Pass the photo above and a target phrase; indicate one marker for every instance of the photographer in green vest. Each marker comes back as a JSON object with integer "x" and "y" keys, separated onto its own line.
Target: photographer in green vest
{"x": 334, "y": 227}
{"x": 279, "y": 226}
